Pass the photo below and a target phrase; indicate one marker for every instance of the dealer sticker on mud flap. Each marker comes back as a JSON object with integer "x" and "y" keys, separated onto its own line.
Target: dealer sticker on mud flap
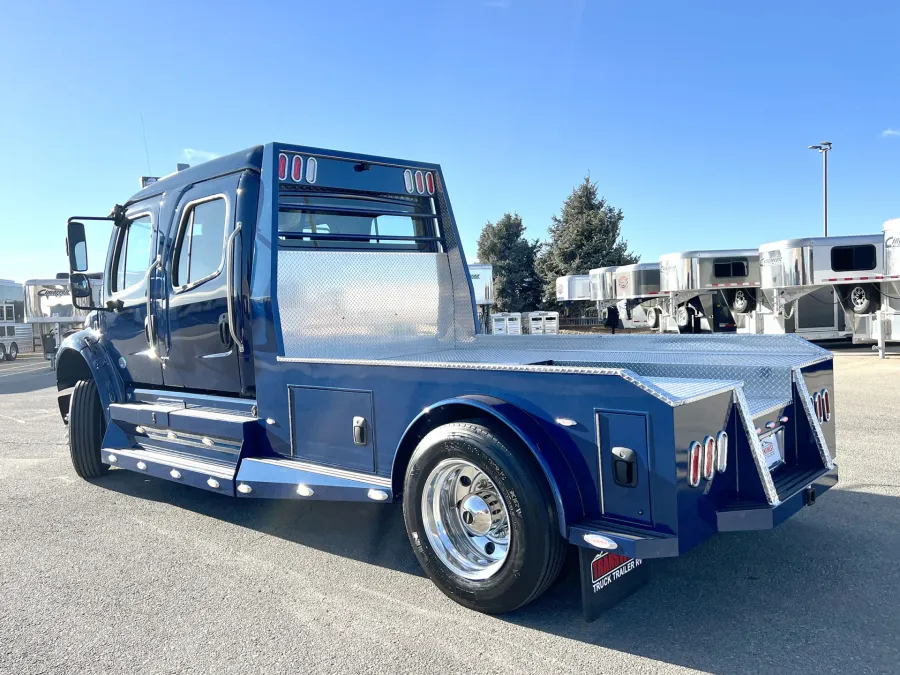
{"x": 607, "y": 578}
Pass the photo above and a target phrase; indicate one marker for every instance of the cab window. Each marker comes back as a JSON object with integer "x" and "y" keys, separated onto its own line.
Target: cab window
{"x": 201, "y": 243}
{"x": 133, "y": 254}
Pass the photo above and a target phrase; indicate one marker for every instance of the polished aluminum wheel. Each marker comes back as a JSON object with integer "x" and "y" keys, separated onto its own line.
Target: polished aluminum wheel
{"x": 466, "y": 520}
{"x": 858, "y": 297}
{"x": 740, "y": 301}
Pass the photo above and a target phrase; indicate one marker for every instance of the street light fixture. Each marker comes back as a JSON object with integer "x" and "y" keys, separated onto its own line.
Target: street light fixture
{"x": 823, "y": 149}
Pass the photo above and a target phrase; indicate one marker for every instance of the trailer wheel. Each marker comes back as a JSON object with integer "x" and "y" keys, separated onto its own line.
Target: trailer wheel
{"x": 683, "y": 318}
{"x": 652, "y": 318}
{"x": 2, "y": 352}
{"x": 13, "y": 352}
{"x": 480, "y": 518}
{"x": 86, "y": 428}
{"x": 742, "y": 301}
{"x": 861, "y": 299}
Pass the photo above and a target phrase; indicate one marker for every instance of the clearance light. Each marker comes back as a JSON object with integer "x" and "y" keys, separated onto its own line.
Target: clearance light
{"x": 420, "y": 183}
{"x": 826, "y": 405}
{"x": 429, "y": 183}
{"x": 817, "y": 404}
{"x": 282, "y": 166}
{"x": 297, "y": 169}
{"x": 599, "y": 541}
{"x": 709, "y": 457}
{"x": 694, "y": 464}
{"x": 721, "y": 451}
{"x": 408, "y": 181}
{"x": 312, "y": 169}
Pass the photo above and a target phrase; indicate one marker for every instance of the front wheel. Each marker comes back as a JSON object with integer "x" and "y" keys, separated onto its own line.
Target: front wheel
{"x": 481, "y": 519}
{"x": 86, "y": 428}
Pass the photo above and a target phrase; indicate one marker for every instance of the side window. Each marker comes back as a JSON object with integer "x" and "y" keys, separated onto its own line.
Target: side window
{"x": 133, "y": 254}
{"x": 730, "y": 267}
{"x": 853, "y": 258}
{"x": 201, "y": 243}
{"x": 9, "y": 313}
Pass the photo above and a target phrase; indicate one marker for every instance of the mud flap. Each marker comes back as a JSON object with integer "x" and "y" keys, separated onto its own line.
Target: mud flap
{"x": 607, "y": 578}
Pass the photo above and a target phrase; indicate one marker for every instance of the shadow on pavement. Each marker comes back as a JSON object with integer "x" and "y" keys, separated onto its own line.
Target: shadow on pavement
{"x": 819, "y": 594}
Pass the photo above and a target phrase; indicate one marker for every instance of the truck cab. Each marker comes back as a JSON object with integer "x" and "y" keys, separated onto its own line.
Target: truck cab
{"x": 291, "y": 322}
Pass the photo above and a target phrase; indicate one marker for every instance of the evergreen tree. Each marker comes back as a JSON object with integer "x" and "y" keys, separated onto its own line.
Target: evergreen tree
{"x": 586, "y": 235}
{"x": 517, "y": 286}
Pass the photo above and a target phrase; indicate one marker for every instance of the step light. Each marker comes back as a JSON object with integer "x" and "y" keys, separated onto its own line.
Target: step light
{"x": 142, "y": 466}
{"x": 112, "y": 459}
{"x": 377, "y": 495}
{"x": 213, "y": 483}
{"x": 244, "y": 489}
{"x": 175, "y": 473}
{"x": 305, "y": 490}
{"x": 601, "y": 542}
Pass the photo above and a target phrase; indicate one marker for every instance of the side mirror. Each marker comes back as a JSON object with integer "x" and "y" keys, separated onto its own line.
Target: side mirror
{"x": 80, "y": 287}
{"x": 76, "y": 247}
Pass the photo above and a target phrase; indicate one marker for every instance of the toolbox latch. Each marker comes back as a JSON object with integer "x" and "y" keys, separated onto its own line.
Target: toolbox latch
{"x": 625, "y": 466}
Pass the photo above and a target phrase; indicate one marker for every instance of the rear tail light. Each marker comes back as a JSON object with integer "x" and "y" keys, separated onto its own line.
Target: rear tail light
{"x": 408, "y": 181}
{"x": 721, "y": 451}
{"x": 826, "y": 405}
{"x": 297, "y": 169}
{"x": 429, "y": 183}
{"x": 694, "y": 464}
{"x": 709, "y": 457}
{"x": 420, "y": 183}
{"x": 282, "y": 166}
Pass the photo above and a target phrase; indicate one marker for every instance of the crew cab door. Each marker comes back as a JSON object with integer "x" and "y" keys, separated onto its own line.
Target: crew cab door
{"x": 131, "y": 274}
{"x": 201, "y": 353}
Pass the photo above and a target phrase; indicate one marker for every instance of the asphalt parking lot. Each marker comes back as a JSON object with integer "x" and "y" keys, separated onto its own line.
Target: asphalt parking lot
{"x": 129, "y": 574}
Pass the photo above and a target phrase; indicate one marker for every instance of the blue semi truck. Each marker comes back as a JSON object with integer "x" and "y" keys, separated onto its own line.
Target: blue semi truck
{"x": 290, "y": 322}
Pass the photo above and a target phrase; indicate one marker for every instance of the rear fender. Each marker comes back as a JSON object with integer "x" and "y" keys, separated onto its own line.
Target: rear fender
{"x": 81, "y": 356}
{"x": 556, "y": 470}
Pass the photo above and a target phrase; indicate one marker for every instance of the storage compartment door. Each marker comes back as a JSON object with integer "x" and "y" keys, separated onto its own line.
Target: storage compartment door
{"x": 624, "y": 465}
{"x": 334, "y": 427}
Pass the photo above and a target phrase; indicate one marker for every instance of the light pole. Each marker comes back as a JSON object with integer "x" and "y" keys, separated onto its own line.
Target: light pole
{"x": 823, "y": 148}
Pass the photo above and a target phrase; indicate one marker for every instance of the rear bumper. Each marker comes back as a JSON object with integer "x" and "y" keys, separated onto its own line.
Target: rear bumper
{"x": 766, "y": 517}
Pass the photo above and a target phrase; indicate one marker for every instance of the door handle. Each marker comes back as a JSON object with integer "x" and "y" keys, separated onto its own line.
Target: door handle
{"x": 625, "y": 466}
{"x": 360, "y": 429}
{"x": 229, "y": 285}
{"x": 149, "y": 325}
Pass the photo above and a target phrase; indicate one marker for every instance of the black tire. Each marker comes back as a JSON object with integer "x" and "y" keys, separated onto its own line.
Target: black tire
{"x": 86, "y": 429}
{"x": 536, "y": 550}
{"x": 2, "y": 352}
{"x": 13, "y": 352}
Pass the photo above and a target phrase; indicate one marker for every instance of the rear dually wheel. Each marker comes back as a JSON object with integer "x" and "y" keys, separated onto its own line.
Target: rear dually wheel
{"x": 481, "y": 518}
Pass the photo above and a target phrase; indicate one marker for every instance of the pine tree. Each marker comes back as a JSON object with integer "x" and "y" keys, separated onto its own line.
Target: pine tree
{"x": 517, "y": 286}
{"x": 587, "y": 234}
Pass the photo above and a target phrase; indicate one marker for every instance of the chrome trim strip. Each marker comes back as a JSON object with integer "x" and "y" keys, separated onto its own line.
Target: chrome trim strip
{"x": 220, "y": 355}
{"x": 599, "y": 460}
{"x": 163, "y": 458}
{"x": 367, "y": 478}
{"x": 756, "y": 448}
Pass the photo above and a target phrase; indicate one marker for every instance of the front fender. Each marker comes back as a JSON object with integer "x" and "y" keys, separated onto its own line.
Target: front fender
{"x": 82, "y": 356}
{"x": 553, "y": 464}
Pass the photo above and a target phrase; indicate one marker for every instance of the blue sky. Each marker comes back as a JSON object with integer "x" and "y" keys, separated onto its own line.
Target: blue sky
{"x": 693, "y": 117}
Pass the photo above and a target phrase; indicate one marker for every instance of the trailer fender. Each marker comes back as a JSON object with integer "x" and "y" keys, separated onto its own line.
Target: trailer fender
{"x": 556, "y": 470}
{"x": 80, "y": 357}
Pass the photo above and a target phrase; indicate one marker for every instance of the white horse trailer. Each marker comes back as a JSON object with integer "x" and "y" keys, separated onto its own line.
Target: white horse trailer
{"x": 711, "y": 291}
{"x": 49, "y": 308}
{"x": 15, "y": 334}
{"x": 886, "y": 322}
{"x": 637, "y": 289}
{"x": 573, "y": 287}
{"x": 819, "y": 287}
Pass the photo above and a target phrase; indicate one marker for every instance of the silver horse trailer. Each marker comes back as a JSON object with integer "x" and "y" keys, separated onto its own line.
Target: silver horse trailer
{"x": 820, "y": 286}
{"x": 49, "y": 310}
{"x": 709, "y": 291}
{"x": 603, "y": 287}
{"x": 15, "y": 334}
{"x": 637, "y": 288}
{"x": 869, "y": 328}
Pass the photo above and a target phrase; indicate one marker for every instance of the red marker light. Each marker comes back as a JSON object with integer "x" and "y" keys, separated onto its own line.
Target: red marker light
{"x": 282, "y": 166}
{"x": 709, "y": 457}
{"x": 826, "y": 405}
{"x": 297, "y": 169}
{"x": 429, "y": 183}
{"x": 420, "y": 183}
{"x": 694, "y": 464}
